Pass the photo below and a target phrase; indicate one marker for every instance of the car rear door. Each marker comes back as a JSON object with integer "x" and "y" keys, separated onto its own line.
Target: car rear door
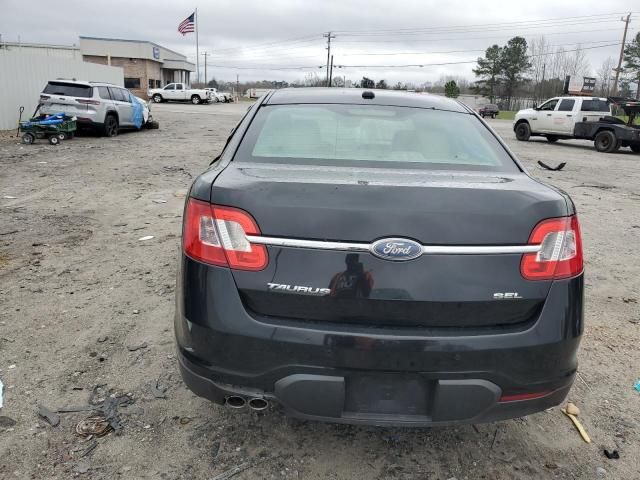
{"x": 338, "y": 193}
{"x": 180, "y": 92}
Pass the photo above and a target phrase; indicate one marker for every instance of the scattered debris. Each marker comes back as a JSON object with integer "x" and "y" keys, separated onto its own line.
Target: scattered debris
{"x": 555, "y": 169}
{"x": 159, "y": 391}
{"x": 572, "y": 409}
{"x": 9, "y": 197}
{"x": 103, "y": 339}
{"x": 50, "y": 416}
{"x": 95, "y": 425}
{"x": 148, "y": 237}
{"x": 159, "y": 201}
{"x": 637, "y": 386}
{"x": 611, "y": 455}
{"x": 133, "y": 348}
{"x": 81, "y": 467}
{"x": 136, "y": 312}
{"x": 6, "y": 422}
{"x": 11, "y": 367}
{"x": 578, "y": 425}
{"x": 551, "y": 465}
{"x": 601, "y": 472}
{"x": 234, "y": 471}
{"x": 185, "y": 420}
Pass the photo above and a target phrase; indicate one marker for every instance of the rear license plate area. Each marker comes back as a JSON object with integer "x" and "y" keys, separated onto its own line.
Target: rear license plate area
{"x": 386, "y": 394}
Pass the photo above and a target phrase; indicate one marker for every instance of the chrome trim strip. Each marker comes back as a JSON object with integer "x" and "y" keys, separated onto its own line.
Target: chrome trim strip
{"x": 365, "y": 247}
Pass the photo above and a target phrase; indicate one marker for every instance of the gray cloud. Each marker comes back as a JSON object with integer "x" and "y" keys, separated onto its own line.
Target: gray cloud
{"x": 227, "y": 25}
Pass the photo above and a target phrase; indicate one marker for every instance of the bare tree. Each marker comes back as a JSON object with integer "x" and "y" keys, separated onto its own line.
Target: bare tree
{"x": 577, "y": 63}
{"x": 604, "y": 75}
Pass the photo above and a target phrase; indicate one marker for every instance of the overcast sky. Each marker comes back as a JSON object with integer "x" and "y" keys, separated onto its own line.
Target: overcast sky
{"x": 257, "y": 39}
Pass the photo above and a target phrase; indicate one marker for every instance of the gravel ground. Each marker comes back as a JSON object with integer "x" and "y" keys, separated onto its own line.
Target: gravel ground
{"x": 86, "y": 311}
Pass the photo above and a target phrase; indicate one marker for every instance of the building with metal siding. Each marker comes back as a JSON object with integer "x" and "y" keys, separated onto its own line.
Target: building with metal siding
{"x": 145, "y": 64}
{"x": 26, "y": 71}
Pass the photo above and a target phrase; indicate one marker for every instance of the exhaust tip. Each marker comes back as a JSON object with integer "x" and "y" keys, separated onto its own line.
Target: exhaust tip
{"x": 235, "y": 401}
{"x": 258, "y": 404}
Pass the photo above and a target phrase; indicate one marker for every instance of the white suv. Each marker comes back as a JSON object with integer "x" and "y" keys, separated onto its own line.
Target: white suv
{"x": 102, "y": 106}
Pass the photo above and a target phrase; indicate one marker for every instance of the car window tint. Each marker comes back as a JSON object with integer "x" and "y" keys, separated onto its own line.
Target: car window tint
{"x": 566, "y": 105}
{"x": 550, "y": 105}
{"x": 104, "y": 93}
{"x": 178, "y": 87}
{"x": 68, "y": 89}
{"x": 125, "y": 95}
{"x": 171, "y": 86}
{"x": 393, "y": 135}
{"x": 595, "y": 105}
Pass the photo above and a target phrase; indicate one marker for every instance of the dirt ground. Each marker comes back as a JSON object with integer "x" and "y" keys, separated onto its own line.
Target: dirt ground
{"x": 86, "y": 312}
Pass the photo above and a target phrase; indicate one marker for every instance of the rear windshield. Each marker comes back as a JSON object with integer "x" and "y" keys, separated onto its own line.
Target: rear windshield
{"x": 68, "y": 89}
{"x": 595, "y": 105}
{"x": 384, "y": 136}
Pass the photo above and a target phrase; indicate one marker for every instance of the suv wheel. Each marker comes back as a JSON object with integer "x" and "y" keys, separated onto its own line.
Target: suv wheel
{"x": 110, "y": 126}
{"x": 606, "y": 142}
{"x": 523, "y": 131}
{"x": 157, "y": 98}
{"x": 552, "y": 138}
{"x": 195, "y": 100}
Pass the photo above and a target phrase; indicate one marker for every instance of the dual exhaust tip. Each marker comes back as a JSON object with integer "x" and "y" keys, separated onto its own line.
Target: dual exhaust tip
{"x": 255, "y": 403}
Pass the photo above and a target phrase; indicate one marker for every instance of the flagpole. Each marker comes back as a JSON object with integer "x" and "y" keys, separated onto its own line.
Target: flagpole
{"x": 197, "y": 52}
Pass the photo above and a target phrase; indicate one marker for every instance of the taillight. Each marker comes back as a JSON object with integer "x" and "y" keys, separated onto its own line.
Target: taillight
{"x": 217, "y": 235}
{"x": 560, "y": 254}
{"x": 88, "y": 102}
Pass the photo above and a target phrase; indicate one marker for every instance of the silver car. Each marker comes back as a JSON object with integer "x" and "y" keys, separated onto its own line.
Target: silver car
{"x": 105, "y": 107}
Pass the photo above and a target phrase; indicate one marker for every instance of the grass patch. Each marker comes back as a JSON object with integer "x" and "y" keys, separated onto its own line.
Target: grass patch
{"x": 506, "y": 115}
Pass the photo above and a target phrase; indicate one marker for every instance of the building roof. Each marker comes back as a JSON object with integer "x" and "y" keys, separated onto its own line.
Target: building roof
{"x": 121, "y": 47}
{"x": 39, "y": 45}
{"x": 287, "y": 96}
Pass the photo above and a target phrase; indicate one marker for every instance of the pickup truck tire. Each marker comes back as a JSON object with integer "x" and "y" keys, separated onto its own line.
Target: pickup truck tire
{"x": 606, "y": 142}
{"x": 552, "y": 138}
{"x": 157, "y": 98}
{"x": 195, "y": 99}
{"x": 523, "y": 131}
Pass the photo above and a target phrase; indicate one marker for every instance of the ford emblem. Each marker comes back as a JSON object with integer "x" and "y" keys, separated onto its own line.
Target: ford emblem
{"x": 396, "y": 249}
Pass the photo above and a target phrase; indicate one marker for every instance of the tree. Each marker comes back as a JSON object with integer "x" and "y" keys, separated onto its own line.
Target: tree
{"x": 399, "y": 86}
{"x": 489, "y": 69}
{"x": 632, "y": 62}
{"x": 213, "y": 83}
{"x": 514, "y": 63}
{"x": 451, "y": 90}
{"x": 367, "y": 83}
{"x": 382, "y": 85}
{"x": 604, "y": 77}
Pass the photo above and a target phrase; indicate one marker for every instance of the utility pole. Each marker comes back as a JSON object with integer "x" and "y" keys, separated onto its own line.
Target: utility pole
{"x": 237, "y": 86}
{"x": 328, "y": 36}
{"x": 331, "y": 72}
{"x": 205, "y": 54}
{"x": 624, "y": 40}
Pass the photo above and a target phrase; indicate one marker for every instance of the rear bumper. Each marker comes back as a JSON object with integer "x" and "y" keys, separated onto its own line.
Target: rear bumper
{"x": 377, "y": 376}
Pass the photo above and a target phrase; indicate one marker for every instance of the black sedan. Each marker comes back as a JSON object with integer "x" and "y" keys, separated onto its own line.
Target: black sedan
{"x": 376, "y": 257}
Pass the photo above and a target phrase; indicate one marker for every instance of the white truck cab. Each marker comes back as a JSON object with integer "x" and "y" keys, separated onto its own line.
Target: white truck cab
{"x": 556, "y": 118}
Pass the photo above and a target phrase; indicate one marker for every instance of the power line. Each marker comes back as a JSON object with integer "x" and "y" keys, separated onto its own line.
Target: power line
{"x": 481, "y": 25}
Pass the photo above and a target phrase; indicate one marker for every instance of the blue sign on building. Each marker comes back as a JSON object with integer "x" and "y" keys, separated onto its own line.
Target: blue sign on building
{"x": 156, "y": 53}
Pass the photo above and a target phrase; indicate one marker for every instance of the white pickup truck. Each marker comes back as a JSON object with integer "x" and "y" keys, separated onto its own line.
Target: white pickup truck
{"x": 179, "y": 92}
{"x": 556, "y": 118}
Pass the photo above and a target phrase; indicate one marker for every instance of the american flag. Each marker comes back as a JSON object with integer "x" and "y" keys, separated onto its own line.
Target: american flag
{"x": 187, "y": 25}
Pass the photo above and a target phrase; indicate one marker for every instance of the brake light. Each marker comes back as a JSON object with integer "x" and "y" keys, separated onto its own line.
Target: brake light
{"x": 560, "y": 254}
{"x": 523, "y": 396}
{"x": 88, "y": 102}
{"x": 217, "y": 235}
